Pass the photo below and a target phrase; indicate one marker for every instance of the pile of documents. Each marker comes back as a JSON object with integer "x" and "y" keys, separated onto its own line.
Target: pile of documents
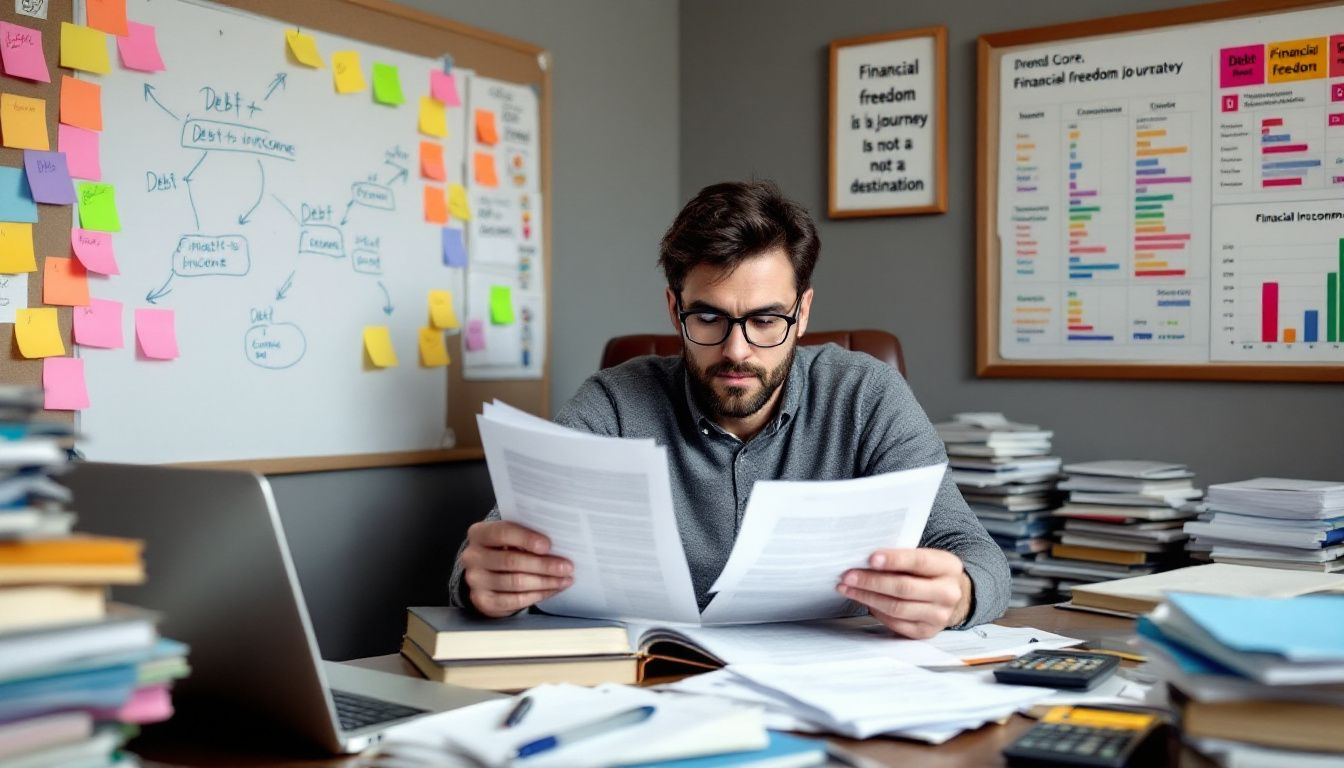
{"x": 1274, "y": 522}
{"x": 1123, "y": 518}
{"x": 1255, "y": 680}
{"x": 1008, "y": 478}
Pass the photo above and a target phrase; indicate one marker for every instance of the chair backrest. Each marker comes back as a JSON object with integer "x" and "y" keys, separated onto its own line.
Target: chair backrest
{"x": 880, "y": 344}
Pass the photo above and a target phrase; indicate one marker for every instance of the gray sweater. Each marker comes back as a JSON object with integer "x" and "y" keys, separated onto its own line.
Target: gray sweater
{"x": 842, "y": 415}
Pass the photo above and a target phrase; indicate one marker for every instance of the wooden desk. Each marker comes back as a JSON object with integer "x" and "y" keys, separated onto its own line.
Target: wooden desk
{"x": 977, "y": 748}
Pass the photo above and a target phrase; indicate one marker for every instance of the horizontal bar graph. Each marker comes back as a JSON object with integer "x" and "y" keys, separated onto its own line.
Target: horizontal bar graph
{"x": 1162, "y": 183}
{"x": 1284, "y": 160}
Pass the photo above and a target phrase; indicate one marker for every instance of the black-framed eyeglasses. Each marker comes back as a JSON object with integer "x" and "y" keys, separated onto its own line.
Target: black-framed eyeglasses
{"x": 709, "y": 327}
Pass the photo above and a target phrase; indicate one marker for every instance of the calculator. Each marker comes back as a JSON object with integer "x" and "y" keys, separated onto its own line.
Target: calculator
{"x": 1072, "y": 670}
{"x": 1081, "y": 736}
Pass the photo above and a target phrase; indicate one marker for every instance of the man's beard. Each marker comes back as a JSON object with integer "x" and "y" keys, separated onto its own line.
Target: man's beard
{"x": 736, "y": 404}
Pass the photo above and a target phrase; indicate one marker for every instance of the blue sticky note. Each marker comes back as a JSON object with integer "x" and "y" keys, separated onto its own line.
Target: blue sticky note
{"x": 16, "y": 199}
{"x": 454, "y": 250}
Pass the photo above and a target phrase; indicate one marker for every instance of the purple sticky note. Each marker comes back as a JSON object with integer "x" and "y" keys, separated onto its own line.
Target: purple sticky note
{"x": 99, "y": 324}
{"x": 94, "y": 250}
{"x": 454, "y": 250}
{"x": 48, "y": 177}
{"x": 140, "y": 49}
{"x": 443, "y": 87}
{"x": 81, "y": 152}
{"x": 63, "y": 384}
{"x": 154, "y": 329}
{"x": 21, "y": 50}
{"x": 475, "y": 336}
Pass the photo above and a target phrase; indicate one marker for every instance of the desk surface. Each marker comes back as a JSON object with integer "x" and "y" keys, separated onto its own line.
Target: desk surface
{"x": 160, "y": 746}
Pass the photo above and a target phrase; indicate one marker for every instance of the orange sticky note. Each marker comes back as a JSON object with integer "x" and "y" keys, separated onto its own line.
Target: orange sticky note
{"x": 63, "y": 384}
{"x": 431, "y": 161}
{"x": 107, "y": 15}
{"x": 84, "y": 48}
{"x": 64, "y": 282}
{"x": 81, "y": 103}
{"x": 38, "y": 333}
{"x": 154, "y": 329}
{"x": 485, "y": 127}
{"x": 436, "y": 205}
{"x": 23, "y": 122}
{"x": 16, "y": 248}
{"x": 484, "y": 164}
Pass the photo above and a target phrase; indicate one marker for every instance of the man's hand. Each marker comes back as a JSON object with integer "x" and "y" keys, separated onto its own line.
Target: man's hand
{"x": 507, "y": 568}
{"x": 914, "y": 592}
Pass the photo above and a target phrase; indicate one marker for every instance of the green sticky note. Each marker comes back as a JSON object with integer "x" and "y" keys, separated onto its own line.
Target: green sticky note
{"x": 98, "y": 207}
{"x": 386, "y": 84}
{"x": 501, "y": 304}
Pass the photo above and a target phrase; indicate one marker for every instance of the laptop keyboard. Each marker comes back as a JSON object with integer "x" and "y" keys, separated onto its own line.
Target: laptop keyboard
{"x": 357, "y": 711}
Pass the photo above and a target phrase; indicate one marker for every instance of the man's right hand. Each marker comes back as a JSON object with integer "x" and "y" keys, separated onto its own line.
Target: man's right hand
{"x": 508, "y": 569}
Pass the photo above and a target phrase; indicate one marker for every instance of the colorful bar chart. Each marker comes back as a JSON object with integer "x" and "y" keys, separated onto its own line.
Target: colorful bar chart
{"x": 1162, "y": 185}
{"x": 1285, "y": 154}
{"x": 1272, "y": 312}
{"x": 1079, "y": 327}
{"x": 1089, "y": 253}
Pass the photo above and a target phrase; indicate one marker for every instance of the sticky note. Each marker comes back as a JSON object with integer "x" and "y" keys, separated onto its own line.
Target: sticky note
{"x": 99, "y": 324}
{"x": 386, "y": 84}
{"x": 94, "y": 250}
{"x": 454, "y": 250}
{"x": 433, "y": 118}
{"x": 156, "y": 332}
{"x": 65, "y": 282}
{"x": 23, "y": 122}
{"x": 48, "y": 177}
{"x": 483, "y": 164}
{"x": 443, "y": 87}
{"x": 84, "y": 48}
{"x": 140, "y": 49}
{"x": 345, "y": 72}
{"x": 107, "y": 15}
{"x": 441, "y": 312}
{"x": 21, "y": 51}
{"x": 16, "y": 248}
{"x": 13, "y": 296}
{"x": 81, "y": 103}
{"x": 63, "y": 384}
{"x": 436, "y": 206}
{"x": 16, "y": 197}
{"x": 433, "y": 348}
{"x": 98, "y": 207}
{"x": 475, "y": 340}
{"x": 431, "y": 161}
{"x": 485, "y": 127}
{"x": 378, "y": 345}
{"x": 37, "y": 9}
{"x": 304, "y": 48}
{"x": 38, "y": 333}
{"x": 81, "y": 152}
{"x": 501, "y": 304}
{"x": 458, "y": 205}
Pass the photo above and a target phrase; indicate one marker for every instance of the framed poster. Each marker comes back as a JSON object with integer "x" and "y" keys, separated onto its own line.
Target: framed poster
{"x": 888, "y": 124}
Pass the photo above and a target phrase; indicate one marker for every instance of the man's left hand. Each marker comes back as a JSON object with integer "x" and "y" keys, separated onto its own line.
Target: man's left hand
{"x": 914, "y": 592}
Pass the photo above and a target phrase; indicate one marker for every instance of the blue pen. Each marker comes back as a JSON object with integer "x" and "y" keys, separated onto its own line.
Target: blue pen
{"x": 579, "y": 732}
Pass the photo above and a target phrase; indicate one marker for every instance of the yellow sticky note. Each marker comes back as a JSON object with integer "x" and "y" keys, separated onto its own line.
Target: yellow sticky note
{"x": 23, "y": 122}
{"x": 378, "y": 345}
{"x": 441, "y": 312}
{"x": 38, "y": 333}
{"x": 457, "y": 202}
{"x": 433, "y": 118}
{"x": 84, "y": 48}
{"x": 346, "y": 73}
{"x": 304, "y": 48}
{"x": 501, "y": 304}
{"x": 433, "y": 348}
{"x": 16, "y": 248}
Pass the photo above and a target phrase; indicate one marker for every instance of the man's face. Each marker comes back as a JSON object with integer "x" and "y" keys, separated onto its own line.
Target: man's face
{"x": 735, "y": 379}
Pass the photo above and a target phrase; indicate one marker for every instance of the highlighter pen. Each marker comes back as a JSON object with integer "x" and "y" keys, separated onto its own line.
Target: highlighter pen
{"x": 517, "y": 712}
{"x": 579, "y": 732}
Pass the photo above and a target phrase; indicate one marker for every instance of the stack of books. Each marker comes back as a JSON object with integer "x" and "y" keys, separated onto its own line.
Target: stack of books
{"x": 1254, "y": 680}
{"x": 1008, "y": 478}
{"x": 1123, "y": 518}
{"x": 1275, "y": 523}
{"x": 1140, "y": 594}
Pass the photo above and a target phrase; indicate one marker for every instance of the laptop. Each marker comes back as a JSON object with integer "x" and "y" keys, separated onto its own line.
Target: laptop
{"x": 221, "y": 576}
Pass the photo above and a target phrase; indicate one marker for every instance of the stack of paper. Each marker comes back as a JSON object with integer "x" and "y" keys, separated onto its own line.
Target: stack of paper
{"x": 1274, "y": 522}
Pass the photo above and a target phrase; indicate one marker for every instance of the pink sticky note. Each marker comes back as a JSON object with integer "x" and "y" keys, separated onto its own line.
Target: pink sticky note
{"x": 81, "y": 152}
{"x": 156, "y": 334}
{"x": 140, "y": 49}
{"x": 94, "y": 250}
{"x": 63, "y": 384}
{"x": 475, "y": 336}
{"x": 21, "y": 50}
{"x": 99, "y": 324}
{"x": 1243, "y": 65}
{"x": 443, "y": 87}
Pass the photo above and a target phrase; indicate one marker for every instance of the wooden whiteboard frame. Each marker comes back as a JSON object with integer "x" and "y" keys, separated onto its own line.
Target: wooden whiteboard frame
{"x": 988, "y": 362}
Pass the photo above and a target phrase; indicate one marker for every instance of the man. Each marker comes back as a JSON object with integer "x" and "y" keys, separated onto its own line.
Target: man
{"x": 744, "y": 403}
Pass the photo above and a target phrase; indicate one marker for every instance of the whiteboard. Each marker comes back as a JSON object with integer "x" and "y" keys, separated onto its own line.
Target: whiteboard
{"x": 277, "y": 219}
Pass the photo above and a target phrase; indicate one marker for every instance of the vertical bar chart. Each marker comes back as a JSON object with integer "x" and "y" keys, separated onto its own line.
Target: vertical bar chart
{"x": 1269, "y": 312}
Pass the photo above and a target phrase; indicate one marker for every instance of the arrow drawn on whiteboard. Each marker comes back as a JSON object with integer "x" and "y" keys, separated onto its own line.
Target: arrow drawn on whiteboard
{"x": 278, "y": 82}
{"x": 283, "y": 290}
{"x": 346, "y": 216}
{"x": 286, "y": 207}
{"x": 243, "y": 219}
{"x": 387, "y": 300}
{"x": 401, "y": 173}
{"x": 149, "y": 95}
{"x": 153, "y": 296}
{"x": 187, "y": 180}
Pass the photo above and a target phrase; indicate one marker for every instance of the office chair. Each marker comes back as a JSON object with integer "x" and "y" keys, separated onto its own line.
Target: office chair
{"x": 880, "y": 344}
